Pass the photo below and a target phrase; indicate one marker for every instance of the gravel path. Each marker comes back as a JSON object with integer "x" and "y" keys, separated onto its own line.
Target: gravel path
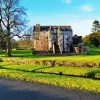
{"x": 19, "y": 90}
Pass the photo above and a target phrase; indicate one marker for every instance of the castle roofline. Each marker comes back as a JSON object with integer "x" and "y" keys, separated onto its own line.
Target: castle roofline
{"x": 46, "y": 28}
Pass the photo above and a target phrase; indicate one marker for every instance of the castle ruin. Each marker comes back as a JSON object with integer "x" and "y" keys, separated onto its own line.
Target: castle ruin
{"x": 54, "y": 39}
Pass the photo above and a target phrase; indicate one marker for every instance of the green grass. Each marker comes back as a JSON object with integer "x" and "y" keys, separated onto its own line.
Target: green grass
{"x": 79, "y": 58}
{"x": 73, "y": 78}
{"x": 87, "y": 79}
{"x": 93, "y": 56}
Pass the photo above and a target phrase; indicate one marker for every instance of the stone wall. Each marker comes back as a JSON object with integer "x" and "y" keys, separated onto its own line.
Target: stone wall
{"x": 41, "y": 43}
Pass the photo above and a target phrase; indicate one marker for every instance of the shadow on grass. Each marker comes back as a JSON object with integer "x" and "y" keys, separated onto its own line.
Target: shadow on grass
{"x": 92, "y": 74}
{"x": 88, "y": 75}
{"x": 33, "y": 71}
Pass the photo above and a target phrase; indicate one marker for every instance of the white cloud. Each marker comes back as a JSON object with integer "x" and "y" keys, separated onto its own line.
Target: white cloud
{"x": 67, "y": 1}
{"x": 87, "y": 8}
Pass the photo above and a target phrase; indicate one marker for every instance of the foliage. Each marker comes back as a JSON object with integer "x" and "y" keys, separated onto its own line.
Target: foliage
{"x": 93, "y": 38}
{"x": 77, "y": 39}
{"x": 96, "y": 26}
{"x": 86, "y": 39}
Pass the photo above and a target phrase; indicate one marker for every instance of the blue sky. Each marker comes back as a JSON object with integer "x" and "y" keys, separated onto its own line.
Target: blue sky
{"x": 78, "y": 13}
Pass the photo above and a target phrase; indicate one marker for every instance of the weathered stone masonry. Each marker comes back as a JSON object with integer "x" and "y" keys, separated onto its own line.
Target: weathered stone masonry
{"x": 52, "y": 38}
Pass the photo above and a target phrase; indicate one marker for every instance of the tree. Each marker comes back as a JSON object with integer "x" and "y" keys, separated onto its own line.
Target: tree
{"x": 12, "y": 21}
{"x": 96, "y": 26}
{"x": 24, "y": 43}
{"x": 77, "y": 39}
{"x": 14, "y": 44}
{"x": 86, "y": 39}
{"x": 93, "y": 39}
{"x": 2, "y": 44}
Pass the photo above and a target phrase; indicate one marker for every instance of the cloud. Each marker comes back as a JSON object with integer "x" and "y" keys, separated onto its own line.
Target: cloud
{"x": 87, "y": 8}
{"x": 67, "y": 1}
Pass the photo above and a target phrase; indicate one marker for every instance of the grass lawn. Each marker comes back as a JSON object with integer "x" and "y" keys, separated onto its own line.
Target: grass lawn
{"x": 87, "y": 79}
{"x": 93, "y": 56}
{"x": 70, "y": 77}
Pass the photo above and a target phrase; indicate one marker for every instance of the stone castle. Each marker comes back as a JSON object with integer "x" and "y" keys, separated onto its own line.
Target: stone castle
{"x": 54, "y": 39}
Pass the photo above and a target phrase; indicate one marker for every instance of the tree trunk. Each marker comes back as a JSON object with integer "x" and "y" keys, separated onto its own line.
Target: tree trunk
{"x": 8, "y": 42}
{"x": 9, "y": 48}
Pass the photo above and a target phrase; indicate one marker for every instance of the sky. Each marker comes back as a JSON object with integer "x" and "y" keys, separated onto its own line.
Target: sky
{"x": 79, "y": 14}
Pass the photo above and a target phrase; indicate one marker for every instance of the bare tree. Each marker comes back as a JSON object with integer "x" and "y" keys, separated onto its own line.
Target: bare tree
{"x": 26, "y": 41}
{"x": 12, "y": 21}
